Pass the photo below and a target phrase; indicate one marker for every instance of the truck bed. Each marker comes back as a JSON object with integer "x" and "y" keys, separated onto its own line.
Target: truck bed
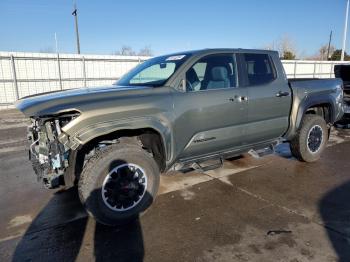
{"x": 314, "y": 85}
{"x": 306, "y": 79}
{"x": 313, "y": 82}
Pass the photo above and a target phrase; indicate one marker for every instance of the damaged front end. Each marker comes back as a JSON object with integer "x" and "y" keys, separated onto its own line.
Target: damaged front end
{"x": 49, "y": 156}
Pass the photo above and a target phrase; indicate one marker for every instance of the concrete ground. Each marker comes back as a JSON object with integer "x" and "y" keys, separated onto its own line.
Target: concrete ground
{"x": 269, "y": 209}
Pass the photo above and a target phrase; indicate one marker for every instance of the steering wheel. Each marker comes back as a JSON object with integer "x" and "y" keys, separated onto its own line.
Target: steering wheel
{"x": 189, "y": 86}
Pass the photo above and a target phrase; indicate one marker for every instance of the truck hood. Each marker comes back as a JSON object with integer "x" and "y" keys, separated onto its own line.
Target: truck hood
{"x": 58, "y": 102}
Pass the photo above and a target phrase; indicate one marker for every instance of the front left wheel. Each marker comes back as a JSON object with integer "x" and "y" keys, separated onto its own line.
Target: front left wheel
{"x": 119, "y": 183}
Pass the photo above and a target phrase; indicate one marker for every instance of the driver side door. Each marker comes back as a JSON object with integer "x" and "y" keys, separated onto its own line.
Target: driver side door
{"x": 212, "y": 113}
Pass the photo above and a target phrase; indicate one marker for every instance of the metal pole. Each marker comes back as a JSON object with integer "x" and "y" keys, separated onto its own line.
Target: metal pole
{"x": 332, "y": 69}
{"x": 84, "y": 71}
{"x": 59, "y": 71}
{"x": 295, "y": 69}
{"x": 75, "y": 14}
{"x": 329, "y": 45}
{"x": 314, "y": 69}
{"x": 14, "y": 77}
{"x": 345, "y": 31}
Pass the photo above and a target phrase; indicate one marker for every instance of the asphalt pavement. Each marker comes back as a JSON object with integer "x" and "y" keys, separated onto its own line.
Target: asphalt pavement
{"x": 268, "y": 209}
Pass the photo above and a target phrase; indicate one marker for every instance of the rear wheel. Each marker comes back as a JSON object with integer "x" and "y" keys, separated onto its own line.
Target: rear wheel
{"x": 119, "y": 183}
{"x": 311, "y": 139}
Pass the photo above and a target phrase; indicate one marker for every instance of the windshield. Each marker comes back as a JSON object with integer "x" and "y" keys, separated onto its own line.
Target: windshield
{"x": 154, "y": 72}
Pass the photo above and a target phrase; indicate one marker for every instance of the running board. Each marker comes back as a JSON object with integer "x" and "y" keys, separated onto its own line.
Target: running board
{"x": 200, "y": 165}
{"x": 261, "y": 152}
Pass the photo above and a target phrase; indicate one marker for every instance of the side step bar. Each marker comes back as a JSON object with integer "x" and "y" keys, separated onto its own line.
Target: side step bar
{"x": 261, "y": 152}
{"x": 200, "y": 166}
{"x": 188, "y": 165}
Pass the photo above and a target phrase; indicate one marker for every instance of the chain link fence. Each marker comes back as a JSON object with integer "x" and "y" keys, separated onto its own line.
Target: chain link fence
{"x": 23, "y": 74}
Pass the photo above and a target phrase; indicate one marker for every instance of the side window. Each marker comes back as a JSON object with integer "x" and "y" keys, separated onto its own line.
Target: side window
{"x": 212, "y": 72}
{"x": 260, "y": 69}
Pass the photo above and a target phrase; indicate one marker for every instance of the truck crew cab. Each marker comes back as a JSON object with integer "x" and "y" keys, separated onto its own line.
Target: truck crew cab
{"x": 172, "y": 112}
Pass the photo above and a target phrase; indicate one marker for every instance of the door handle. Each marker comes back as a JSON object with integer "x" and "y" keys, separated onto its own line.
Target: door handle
{"x": 281, "y": 94}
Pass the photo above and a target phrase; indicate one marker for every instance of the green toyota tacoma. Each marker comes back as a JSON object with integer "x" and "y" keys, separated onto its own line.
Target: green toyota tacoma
{"x": 174, "y": 112}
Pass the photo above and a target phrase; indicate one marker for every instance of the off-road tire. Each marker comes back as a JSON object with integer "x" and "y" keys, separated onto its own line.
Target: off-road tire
{"x": 97, "y": 168}
{"x": 299, "y": 144}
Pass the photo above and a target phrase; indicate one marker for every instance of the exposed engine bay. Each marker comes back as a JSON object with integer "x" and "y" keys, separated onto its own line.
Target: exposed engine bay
{"x": 48, "y": 155}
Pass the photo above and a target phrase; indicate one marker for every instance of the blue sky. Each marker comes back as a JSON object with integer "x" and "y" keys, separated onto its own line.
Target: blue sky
{"x": 167, "y": 26}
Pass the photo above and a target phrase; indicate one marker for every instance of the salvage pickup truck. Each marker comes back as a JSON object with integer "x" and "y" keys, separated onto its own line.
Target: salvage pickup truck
{"x": 173, "y": 112}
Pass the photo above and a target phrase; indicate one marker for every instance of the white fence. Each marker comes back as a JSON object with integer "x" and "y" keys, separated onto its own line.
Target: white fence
{"x": 309, "y": 69}
{"x": 23, "y": 74}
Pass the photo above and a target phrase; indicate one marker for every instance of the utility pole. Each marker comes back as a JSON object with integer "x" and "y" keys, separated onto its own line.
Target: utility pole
{"x": 75, "y": 14}
{"x": 345, "y": 31}
{"x": 329, "y": 45}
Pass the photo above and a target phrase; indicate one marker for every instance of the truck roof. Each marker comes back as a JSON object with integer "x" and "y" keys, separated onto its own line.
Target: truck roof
{"x": 218, "y": 50}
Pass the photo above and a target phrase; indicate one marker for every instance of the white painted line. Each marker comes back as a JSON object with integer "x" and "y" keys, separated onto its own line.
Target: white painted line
{"x": 20, "y": 220}
{"x": 11, "y": 237}
{"x": 12, "y": 149}
{"x": 11, "y": 141}
{"x": 14, "y": 120}
{"x": 5, "y": 127}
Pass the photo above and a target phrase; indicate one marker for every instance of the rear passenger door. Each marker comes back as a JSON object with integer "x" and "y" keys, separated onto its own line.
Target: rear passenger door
{"x": 269, "y": 98}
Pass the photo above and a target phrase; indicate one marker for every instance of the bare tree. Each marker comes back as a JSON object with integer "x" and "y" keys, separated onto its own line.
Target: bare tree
{"x": 285, "y": 46}
{"x": 146, "y": 51}
{"x": 324, "y": 51}
{"x": 315, "y": 57}
{"x": 270, "y": 46}
{"x": 127, "y": 50}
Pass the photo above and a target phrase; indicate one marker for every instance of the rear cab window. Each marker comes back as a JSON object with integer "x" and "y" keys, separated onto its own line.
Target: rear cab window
{"x": 259, "y": 69}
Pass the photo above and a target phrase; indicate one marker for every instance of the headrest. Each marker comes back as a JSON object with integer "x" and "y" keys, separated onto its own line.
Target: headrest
{"x": 219, "y": 73}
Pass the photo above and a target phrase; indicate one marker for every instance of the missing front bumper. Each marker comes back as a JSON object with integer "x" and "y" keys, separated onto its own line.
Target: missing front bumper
{"x": 49, "y": 157}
